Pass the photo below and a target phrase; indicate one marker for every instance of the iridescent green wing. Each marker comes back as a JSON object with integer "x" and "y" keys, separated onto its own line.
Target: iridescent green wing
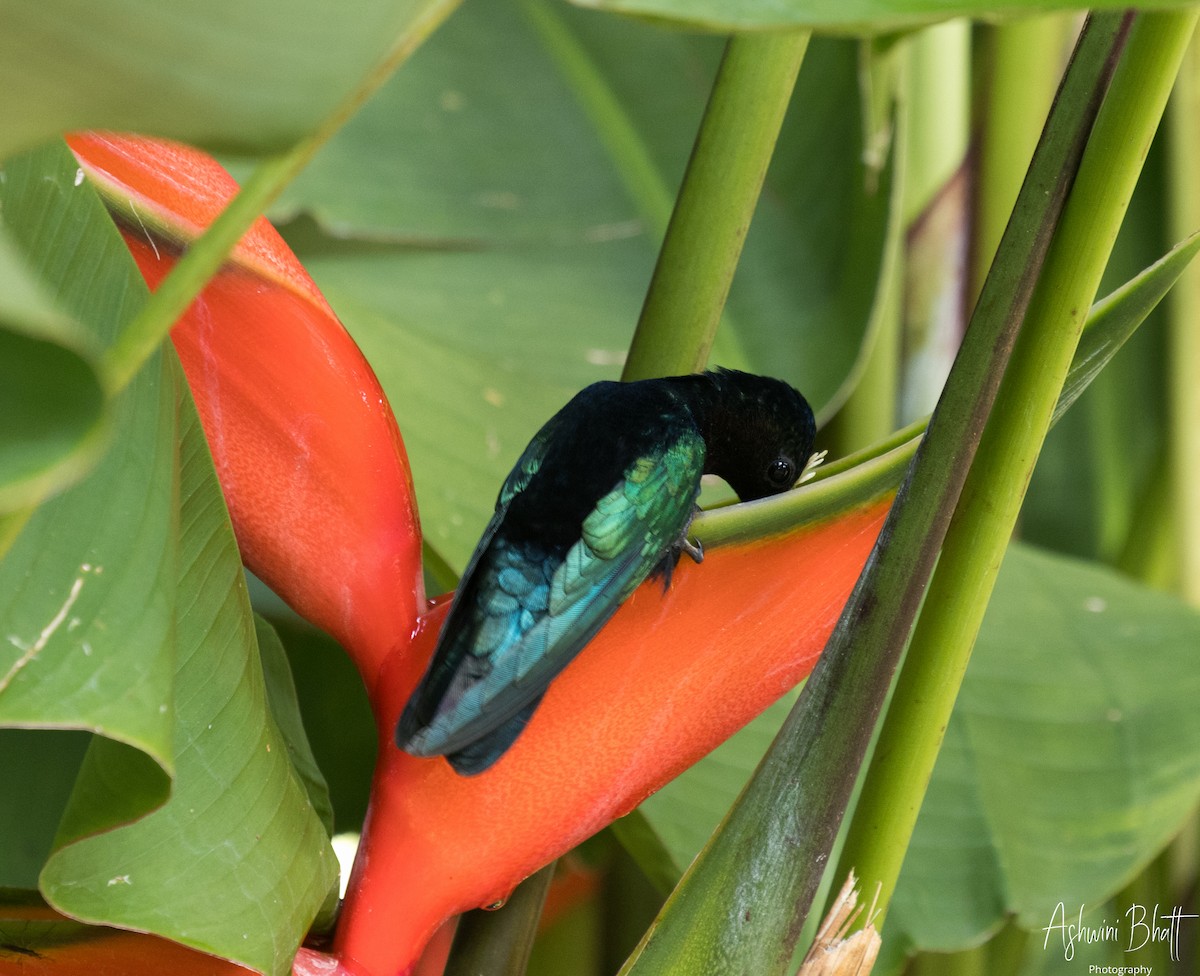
{"x": 527, "y": 638}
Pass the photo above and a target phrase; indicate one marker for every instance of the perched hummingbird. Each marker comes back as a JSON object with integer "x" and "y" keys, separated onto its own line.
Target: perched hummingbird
{"x": 601, "y": 499}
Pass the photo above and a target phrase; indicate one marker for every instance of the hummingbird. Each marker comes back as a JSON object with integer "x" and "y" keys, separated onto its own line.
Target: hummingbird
{"x": 601, "y": 499}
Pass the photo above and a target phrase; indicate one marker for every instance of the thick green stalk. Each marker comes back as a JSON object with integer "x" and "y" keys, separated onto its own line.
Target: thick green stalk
{"x": 498, "y": 943}
{"x": 1022, "y": 59}
{"x": 991, "y": 498}
{"x": 939, "y": 124}
{"x": 868, "y": 414}
{"x": 715, "y": 204}
{"x": 936, "y": 206}
{"x": 1183, "y": 363}
{"x": 146, "y": 331}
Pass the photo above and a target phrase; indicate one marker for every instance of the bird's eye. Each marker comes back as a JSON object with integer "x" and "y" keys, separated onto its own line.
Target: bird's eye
{"x": 781, "y": 473}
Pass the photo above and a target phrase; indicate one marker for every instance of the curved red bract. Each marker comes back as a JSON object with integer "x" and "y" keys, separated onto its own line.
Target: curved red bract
{"x": 666, "y": 681}
{"x": 306, "y": 448}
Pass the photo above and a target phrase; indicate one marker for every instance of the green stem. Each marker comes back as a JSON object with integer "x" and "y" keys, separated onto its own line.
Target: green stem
{"x": 868, "y": 413}
{"x": 992, "y": 495}
{"x": 1022, "y": 59}
{"x": 1150, "y": 551}
{"x": 1183, "y": 363}
{"x": 935, "y": 210}
{"x": 138, "y": 341}
{"x": 498, "y": 943}
{"x": 612, "y": 123}
{"x": 145, "y": 332}
{"x": 716, "y": 202}
{"x": 939, "y": 125}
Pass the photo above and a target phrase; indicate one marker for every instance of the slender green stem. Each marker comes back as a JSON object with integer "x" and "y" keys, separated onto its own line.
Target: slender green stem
{"x": 612, "y": 123}
{"x": 1150, "y": 551}
{"x": 146, "y": 331}
{"x": 935, "y": 209}
{"x": 940, "y": 124}
{"x": 868, "y": 413}
{"x": 1183, "y": 363}
{"x": 987, "y": 510}
{"x": 498, "y": 943}
{"x": 143, "y": 335}
{"x": 1022, "y": 59}
{"x": 712, "y": 214}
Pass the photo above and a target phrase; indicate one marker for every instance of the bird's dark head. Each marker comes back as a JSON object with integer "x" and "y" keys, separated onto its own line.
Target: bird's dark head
{"x": 759, "y": 433}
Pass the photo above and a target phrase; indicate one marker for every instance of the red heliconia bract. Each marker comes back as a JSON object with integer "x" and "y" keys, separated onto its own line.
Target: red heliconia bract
{"x": 669, "y": 678}
{"x": 308, "y": 453}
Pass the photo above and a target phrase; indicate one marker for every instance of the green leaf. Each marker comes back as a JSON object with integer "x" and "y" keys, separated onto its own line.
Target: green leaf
{"x": 337, "y": 716}
{"x": 50, "y": 393}
{"x": 1115, "y": 318}
{"x": 236, "y": 862}
{"x": 56, "y": 417}
{"x": 487, "y": 288}
{"x": 87, "y": 589}
{"x": 1072, "y": 757}
{"x": 255, "y": 76}
{"x": 281, "y": 697}
{"x": 123, "y": 609}
{"x": 39, "y": 766}
{"x": 835, "y": 16}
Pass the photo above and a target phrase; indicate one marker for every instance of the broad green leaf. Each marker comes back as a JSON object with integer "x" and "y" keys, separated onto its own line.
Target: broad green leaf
{"x": 256, "y": 75}
{"x": 99, "y": 591}
{"x": 87, "y": 593}
{"x": 834, "y": 16}
{"x": 487, "y": 288}
{"x": 236, "y": 862}
{"x": 55, "y": 415}
{"x": 51, "y": 400}
{"x": 1073, "y": 755}
{"x": 87, "y": 588}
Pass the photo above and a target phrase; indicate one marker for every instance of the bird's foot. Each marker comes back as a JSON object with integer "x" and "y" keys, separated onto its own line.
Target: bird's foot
{"x": 693, "y": 549}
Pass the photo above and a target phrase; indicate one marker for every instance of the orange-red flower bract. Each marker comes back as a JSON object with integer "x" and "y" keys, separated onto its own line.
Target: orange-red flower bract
{"x": 307, "y": 450}
{"x": 668, "y": 679}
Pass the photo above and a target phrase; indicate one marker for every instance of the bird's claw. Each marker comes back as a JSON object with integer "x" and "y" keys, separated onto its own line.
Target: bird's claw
{"x": 693, "y": 549}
